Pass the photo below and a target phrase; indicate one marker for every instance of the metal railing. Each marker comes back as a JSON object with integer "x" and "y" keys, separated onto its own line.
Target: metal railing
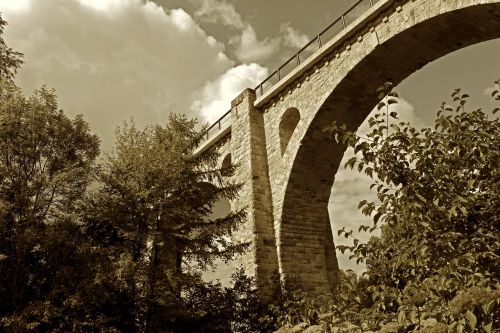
{"x": 218, "y": 125}
{"x": 332, "y": 30}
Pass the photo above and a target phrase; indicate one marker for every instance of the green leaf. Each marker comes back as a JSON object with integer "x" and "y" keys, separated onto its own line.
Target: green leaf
{"x": 488, "y": 307}
{"x": 471, "y": 318}
{"x": 391, "y": 101}
{"x": 401, "y": 317}
{"x": 487, "y": 327}
{"x": 453, "y": 327}
{"x": 413, "y": 315}
{"x": 421, "y": 197}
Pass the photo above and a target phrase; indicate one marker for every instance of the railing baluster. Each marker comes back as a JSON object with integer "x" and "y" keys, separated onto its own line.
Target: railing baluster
{"x": 343, "y": 21}
{"x": 319, "y": 42}
{"x": 298, "y": 59}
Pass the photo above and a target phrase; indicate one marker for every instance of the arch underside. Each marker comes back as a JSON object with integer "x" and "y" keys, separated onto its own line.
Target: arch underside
{"x": 306, "y": 246}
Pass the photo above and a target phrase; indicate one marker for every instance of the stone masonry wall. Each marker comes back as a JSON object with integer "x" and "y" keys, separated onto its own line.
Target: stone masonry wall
{"x": 287, "y": 196}
{"x": 248, "y": 151}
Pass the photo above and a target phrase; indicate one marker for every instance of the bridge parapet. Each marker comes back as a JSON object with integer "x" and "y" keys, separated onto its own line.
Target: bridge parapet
{"x": 286, "y": 162}
{"x": 340, "y": 27}
{"x": 336, "y": 32}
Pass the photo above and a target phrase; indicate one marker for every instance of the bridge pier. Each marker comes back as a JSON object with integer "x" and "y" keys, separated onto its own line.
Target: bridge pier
{"x": 248, "y": 151}
{"x": 300, "y": 247}
{"x": 287, "y": 164}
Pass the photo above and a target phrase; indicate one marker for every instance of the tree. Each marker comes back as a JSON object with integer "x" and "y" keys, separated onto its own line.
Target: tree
{"x": 10, "y": 60}
{"x": 149, "y": 218}
{"x": 438, "y": 206}
{"x": 45, "y": 165}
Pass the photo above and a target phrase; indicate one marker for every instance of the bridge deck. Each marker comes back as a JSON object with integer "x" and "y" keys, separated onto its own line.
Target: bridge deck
{"x": 332, "y": 37}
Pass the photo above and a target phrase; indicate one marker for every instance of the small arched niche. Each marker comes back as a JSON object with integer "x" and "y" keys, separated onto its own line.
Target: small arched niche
{"x": 288, "y": 122}
{"x": 226, "y": 164}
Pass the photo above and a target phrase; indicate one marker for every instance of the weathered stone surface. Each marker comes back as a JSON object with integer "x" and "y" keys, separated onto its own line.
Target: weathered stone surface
{"x": 286, "y": 192}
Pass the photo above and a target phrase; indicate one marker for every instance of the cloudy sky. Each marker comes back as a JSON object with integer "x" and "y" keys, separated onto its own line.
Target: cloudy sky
{"x": 112, "y": 60}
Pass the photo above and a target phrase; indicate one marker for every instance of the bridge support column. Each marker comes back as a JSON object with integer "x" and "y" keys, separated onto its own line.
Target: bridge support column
{"x": 248, "y": 146}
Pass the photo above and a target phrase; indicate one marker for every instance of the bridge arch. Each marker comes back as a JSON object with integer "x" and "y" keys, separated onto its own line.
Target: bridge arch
{"x": 392, "y": 46}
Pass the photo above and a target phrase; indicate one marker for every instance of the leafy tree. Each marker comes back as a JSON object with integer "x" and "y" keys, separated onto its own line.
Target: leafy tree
{"x": 434, "y": 267}
{"x": 148, "y": 219}
{"x": 10, "y": 60}
{"x": 128, "y": 257}
{"x": 45, "y": 165}
{"x": 438, "y": 206}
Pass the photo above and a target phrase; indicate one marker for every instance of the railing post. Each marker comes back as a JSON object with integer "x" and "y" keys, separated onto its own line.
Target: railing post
{"x": 219, "y": 124}
{"x": 343, "y": 21}
{"x": 298, "y": 58}
{"x": 261, "y": 91}
{"x": 319, "y": 42}
{"x": 371, "y": 3}
{"x": 279, "y": 74}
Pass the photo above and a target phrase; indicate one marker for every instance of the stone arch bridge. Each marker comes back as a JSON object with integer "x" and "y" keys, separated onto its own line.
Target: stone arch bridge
{"x": 275, "y": 132}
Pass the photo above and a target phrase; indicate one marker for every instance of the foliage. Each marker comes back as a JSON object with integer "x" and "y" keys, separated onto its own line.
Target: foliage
{"x": 227, "y": 309}
{"x": 45, "y": 165}
{"x": 126, "y": 256}
{"x": 438, "y": 208}
{"x": 148, "y": 219}
{"x": 10, "y": 60}
{"x": 434, "y": 266}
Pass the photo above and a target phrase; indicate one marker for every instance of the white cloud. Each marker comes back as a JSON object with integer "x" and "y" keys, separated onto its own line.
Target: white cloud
{"x": 215, "y": 98}
{"x": 292, "y": 37}
{"x": 215, "y": 11}
{"x": 14, "y": 5}
{"x": 349, "y": 188}
{"x": 405, "y": 111}
{"x": 246, "y": 45}
{"x": 489, "y": 91}
{"x": 113, "y": 59}
{"x": 250, "y": 49}
{"x": 105, "y": 5}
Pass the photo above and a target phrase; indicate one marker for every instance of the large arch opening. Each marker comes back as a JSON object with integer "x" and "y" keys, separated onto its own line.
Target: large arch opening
{"x": 318, "y": 158}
